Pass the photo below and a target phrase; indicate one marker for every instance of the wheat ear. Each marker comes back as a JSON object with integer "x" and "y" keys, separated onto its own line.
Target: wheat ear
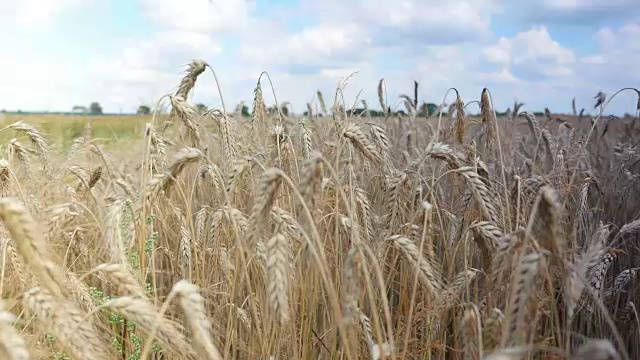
{"x": 323, "y": 105}
{"x": 482, "y": 194}
{"x": 18, "y": 150}
{"x": 259, "y": 113}
{"x": 265, "y": 197}
{"x": 195, "y": 68}
{"x": 36, "y": 138}
{"x": 488, "y": 119}
{"x": 522, "y": 291}
{"x": 472, "y": 331}
{"x": 277, "y": 265}
{"x": 460, "y": 119}
{"x": 122, "y": 277}
{"x": 351, "y": 276}
{"x": 193, "y": 306}
{"x": 361, "y": 142}
{"x": 61, "y": 317}
{"x": 587, "y": 260}
{"x": 394, "y": 200}
{"x": 311, "y": 180}
{"x": 428, "y": 276}
{"x": 307, "y": 145}
{"x": 381, "y": 94}
{"x": 228, "y": 139}
{"x": 164, "y": 183}
{"x": 31, "y": 245}
{"x": 146, "y": 317}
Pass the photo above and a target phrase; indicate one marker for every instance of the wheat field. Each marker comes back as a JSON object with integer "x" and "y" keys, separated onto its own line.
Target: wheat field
{"x": 216, "y": 236}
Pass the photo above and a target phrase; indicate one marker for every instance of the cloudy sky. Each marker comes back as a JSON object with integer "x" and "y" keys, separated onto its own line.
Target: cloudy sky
{"x": 59, "y": 53}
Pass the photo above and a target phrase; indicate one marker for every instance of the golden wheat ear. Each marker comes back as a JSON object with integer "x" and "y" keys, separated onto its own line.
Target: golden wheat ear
{"x": 277, "y": 265}
{"x": 31, "y": 245}
{"x": 147, "y": 318}
{"x": 195, "y": 69}
{"x": 77, "y": 334}
{"x": 193, "y": 306}
{"x": 427, "y": 274}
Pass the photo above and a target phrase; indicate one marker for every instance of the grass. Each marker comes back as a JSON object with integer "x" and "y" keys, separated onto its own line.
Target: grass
{"x": 222, "y": 237}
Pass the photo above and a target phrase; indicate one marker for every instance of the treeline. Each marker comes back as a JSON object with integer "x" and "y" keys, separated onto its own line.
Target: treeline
{"x": 431, "y": 110}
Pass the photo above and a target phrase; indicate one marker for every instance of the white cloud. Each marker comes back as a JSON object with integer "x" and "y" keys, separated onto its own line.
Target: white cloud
{"x": 532, "y": 55}
{"x": 341, "y": 72}
{"x": 199, "y": 15}
{"x": 626, "y": 38}
{"x": 319, "y": 45}
{"x": 562, "y": 4}
{"x": 34, "y": 12}
{"x": 614, "y": 64}
{"x": 503, "y": 76}
{"x": 409, "y": 21}
{"x": 407, "y": 14}
{"x": 35, "y": 84}
{"x": 571, "y": 12}
{"x": 582, "y": 5}
{"x": 141, "y": 72}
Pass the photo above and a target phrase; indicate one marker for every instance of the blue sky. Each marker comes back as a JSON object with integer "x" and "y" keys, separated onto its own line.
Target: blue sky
{"x": 123, "y": 53}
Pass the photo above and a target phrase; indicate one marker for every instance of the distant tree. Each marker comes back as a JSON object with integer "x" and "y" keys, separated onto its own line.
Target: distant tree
{"x": 79, "y": 108}
{"x": 239, "y": 107}
{"x": 284, "y": 109}
{"x": 356, "y": 112}
{"x": 427, "y": 109}
{"x": 202, "y": 108}
{"x": 245, "y": 111}
{"x": 432, "y": 108}
{"x": 143, "y": 110}
{"x": 95, "y": 108}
